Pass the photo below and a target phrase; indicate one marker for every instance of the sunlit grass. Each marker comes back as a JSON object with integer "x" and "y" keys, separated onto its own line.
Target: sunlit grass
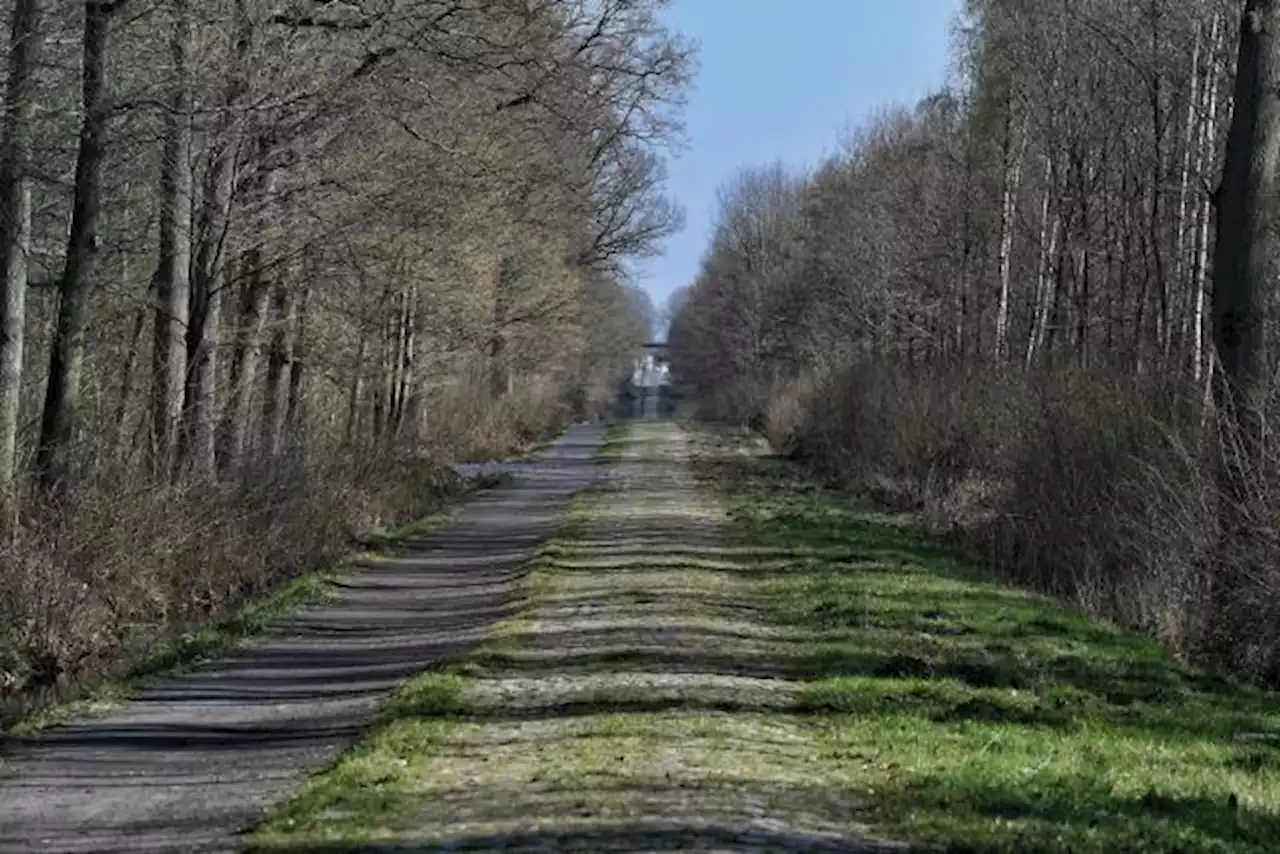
{"x": 785, "y": 671}
{"x": 615, "y": 442}
{"x": 986, "y": 718}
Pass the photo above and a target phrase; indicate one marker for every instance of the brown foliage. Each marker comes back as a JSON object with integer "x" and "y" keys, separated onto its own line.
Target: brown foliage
{"x": 88, "y": 588}
{"x": 992, "y": 310}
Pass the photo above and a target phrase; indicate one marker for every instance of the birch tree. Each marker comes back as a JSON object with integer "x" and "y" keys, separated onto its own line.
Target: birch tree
{"x": 15, "y": 238}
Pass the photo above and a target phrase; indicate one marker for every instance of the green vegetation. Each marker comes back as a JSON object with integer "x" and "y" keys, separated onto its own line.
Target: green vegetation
{"x": 364, "y": 789}
{"x": 782, "y": 669}
{"x": 985, "y": 718}
{"x": 393, "y": 538}
{"x": 615, "y": 442}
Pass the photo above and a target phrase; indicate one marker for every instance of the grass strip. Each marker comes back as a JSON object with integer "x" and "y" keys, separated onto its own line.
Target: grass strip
{"x": 978, "y": 717}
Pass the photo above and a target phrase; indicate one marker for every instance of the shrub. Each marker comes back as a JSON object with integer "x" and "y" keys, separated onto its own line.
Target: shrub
{"x": 88, "y": 588}
{"x": 1096, "y": 488}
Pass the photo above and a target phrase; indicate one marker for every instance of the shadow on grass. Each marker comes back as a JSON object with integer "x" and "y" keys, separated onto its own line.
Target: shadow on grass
{"x": 942, "y": 707}
{"x": 619, "y": 837}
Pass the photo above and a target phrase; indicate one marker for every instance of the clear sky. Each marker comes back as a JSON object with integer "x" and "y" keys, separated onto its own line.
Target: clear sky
{"x": 782, "y": 80}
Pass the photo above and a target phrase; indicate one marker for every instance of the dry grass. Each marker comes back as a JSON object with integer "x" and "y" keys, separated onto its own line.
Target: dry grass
{"x": 121, "y": 579}
{"x": 1099, "y": 490}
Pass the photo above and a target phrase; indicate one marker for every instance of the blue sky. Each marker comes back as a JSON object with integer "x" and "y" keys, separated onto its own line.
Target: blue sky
{"x": 782, "y": 80}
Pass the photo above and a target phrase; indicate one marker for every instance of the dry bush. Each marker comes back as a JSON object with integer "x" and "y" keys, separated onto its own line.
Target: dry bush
{"x": 739, "y": 402}
{"x": 911, "y": 439}
{"x": 1232, "y": 594}
{"x": 787, "y": 410}
{"x": 1071, "y": 473}
{"x": 466, "y": 423}
{"x": 90, "y": 586}
{"x": 1097, "y": 489}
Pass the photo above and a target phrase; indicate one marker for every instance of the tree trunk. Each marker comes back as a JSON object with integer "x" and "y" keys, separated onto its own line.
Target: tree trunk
{"x": 499, "y": 369}
{"x": 15, "y": 239}
{"x": 1008, "y": 210}
{"x": 407, "y": 391}
{"x": 1208, "y": 140}
{"x": 209, "y": 276}
{"x": 1243, "y": 251}
{"x": 1155, "y": 220}
{"x": 1045, "y": 286}
{"x": 279, "y": 367}
{"x": 66, "y": 362}
{"x": 385, "y": 384}
{"x": 199, "y": 416}
{"x": 244, "y": 361}
{"x": 356, "y": 390}
{"x": 132, "y": 356}
{"x": 295, "y": 418}
{"x": 208, "y": 283}
{"x": 966, "y": 253}
{"x": 172, "y": 276}
{"x": 396, "y": 361}
{"x": 1191, "y": 134}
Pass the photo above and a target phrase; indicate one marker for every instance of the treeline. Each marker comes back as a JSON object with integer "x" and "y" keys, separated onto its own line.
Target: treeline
{"x": 997, "y": 308}
{"x": 263, "y": 260}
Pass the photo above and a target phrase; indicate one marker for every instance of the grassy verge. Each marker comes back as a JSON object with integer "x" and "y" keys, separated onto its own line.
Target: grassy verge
{"x": 188, "y": 650}
{"x": 781, "y": 677}
{"x": 383, "y": 784}
{"x": 192, "y": 648}
{"x": 981, "y": 718}
{"x": 615, "y": 442}
{"x": 392, "y": 538}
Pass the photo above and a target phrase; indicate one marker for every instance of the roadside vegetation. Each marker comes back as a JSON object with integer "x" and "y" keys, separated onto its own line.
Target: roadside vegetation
{"x": 1010, "y": 308}
{"x": 267, "y": 268}
{"x": 985, "y": 718}
{"x": 782, "y": 669}
{"x": 123, "y": 676}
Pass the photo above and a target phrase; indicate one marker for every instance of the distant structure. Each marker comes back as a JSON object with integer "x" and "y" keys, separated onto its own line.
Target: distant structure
{"x": 651, "y": 382}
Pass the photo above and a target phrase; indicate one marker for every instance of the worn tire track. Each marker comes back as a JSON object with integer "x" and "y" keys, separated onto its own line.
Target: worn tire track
{"x": 636, "y": 703}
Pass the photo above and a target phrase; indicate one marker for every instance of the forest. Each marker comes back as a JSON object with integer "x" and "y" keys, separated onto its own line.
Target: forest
{"x": 1036, "y": 309}
{"x": 337, "y": 515}
{"x": 267, "y": 264}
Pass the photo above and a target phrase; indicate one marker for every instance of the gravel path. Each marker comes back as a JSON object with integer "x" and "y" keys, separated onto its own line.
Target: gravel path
{"x": 196, "y": 758}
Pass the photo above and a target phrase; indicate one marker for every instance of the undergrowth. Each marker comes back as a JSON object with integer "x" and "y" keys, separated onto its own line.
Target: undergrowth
{"x": 256, "y": 596}
{"x": 981, "y": 717}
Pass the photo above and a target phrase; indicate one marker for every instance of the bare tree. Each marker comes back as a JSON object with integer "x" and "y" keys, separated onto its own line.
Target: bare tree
{"x": 1244, "y": 255}
{"x": 66, "y": 364}
{"x": 172, "y": 276}
{"x": 15, "y": 238}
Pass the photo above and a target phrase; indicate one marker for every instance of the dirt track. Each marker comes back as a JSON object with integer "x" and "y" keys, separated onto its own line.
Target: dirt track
{"x": 196, "y": 758}
{"x": 642, "y": 699}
